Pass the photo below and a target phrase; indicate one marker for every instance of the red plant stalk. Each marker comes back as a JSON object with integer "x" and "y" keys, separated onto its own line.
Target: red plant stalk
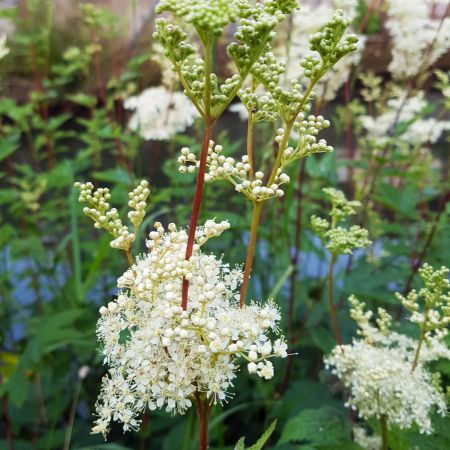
{"x": 196, "y": 205}
{"x": 203, "y": 410}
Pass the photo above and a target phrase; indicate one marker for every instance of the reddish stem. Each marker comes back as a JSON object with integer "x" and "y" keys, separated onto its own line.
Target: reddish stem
{"x": 203, "y": 416}
{"x": 7, "y": 421}
{"x": 207, "y": 132}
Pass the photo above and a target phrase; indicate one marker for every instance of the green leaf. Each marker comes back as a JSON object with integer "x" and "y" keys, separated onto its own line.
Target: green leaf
{"x": 16, "y": 387}
{"x": 318, "y": 427}
{"x": 261, "y": 441}
{"x": 8, "y": 145}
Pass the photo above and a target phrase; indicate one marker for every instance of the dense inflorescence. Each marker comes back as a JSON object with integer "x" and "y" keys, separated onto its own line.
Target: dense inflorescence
{"x": 418, "y": 40}
{"x": 160, "y": 355}
{"x": 385, "y": 371}
{"x": 160, "y": 114}
{"x": 407, "y": 109}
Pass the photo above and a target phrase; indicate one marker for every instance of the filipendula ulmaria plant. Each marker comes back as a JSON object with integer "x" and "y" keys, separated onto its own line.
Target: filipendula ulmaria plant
{"x": 385, "y": 371}
{"x": 338, "y": 240}
{"x": 174, "y": 335}
{"x": 263, "y": 95}
{"x": 160, "y": 355}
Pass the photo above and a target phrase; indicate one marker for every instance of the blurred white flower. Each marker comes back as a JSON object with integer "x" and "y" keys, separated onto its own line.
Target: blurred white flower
{"x": 405, "y": 108}
{"x": 4, "y": 50}
{"x": 159, "y": 113}
{"x": 417, "y": 39}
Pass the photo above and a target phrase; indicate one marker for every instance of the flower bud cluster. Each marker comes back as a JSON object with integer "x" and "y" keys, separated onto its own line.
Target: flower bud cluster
{"x": 208, "y": 17}
{"x": 108, "y": 218}
{"x": 159, "y": 354}
{"x": 339, "y": 240}
{"x": 255, "y": 27}
{"x": 433, "y": 317}
{"x": 340, "y": 206}
{"x": 138, "y": 201}
{"x": 173, "y": 40}
{"x": 327, "y": 43}
{"x": 220, "y": 167}
{"x": 377, "y": 370}
{"x": 263, "y": 107}
{"x": 306, "y": 130}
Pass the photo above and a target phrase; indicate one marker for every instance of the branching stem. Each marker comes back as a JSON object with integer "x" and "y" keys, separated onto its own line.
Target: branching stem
{"x": 256, "y": 213}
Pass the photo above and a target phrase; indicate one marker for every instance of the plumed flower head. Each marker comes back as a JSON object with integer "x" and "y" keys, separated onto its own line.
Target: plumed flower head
{"x": 160, "y": 355}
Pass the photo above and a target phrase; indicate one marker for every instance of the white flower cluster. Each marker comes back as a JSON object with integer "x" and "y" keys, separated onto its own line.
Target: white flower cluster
{"x": 108, "y": 218}
{"x": 366, "y": 441}
{"x": 4, "y": 50}
{"x": 405, "y": 108}
{"x": 160, "y": 355}
{"x": 417, "y": 39}
{"x": 159, "y": 113}
{"x": 238, "y": 173}
{"x": 308, "y": 20}
{"x": 378, "y": 371}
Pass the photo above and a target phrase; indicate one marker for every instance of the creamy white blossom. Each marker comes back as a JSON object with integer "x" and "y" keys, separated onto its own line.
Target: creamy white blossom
{"x": 366, "y": 441}
{"x": 403, "y": 109}
{"x": 160, "y": 113}
{"x": 4, "y": 50}
{"x": 378, "y": 370}
{"x": 418, "y": 40}
{"x": 160, "y": 355}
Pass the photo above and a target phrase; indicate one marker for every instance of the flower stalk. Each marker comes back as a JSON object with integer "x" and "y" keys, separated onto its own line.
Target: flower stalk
{"x": 256, "y": 214}
{"x": 330, "y": 286}
{"x": 197, "y": 202}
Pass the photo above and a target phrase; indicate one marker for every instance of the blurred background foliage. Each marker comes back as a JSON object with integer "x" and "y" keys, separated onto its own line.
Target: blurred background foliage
{"x": 63, "y": 84}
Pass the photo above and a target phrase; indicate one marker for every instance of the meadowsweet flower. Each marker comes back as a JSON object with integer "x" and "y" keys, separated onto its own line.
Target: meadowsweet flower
{"x": 403, "y": 109}
{"x": 159, "y": 113}
{"x": 366, "y": 441}
{"x": 386, "y": 372}
{"x": 417, "y": 39}
{"x": 237, "y": 173}
{"x": 159, "y": 355}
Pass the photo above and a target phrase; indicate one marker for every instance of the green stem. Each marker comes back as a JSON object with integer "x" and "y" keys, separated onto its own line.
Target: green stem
{"x": 330, "y": 283}
{"x": 73, "y": 409}
{"x": 129, "y": 257}
{"x": 419, "y": 346}
{"x": 250, "y": 145}
{"x": 256, "y": 213}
